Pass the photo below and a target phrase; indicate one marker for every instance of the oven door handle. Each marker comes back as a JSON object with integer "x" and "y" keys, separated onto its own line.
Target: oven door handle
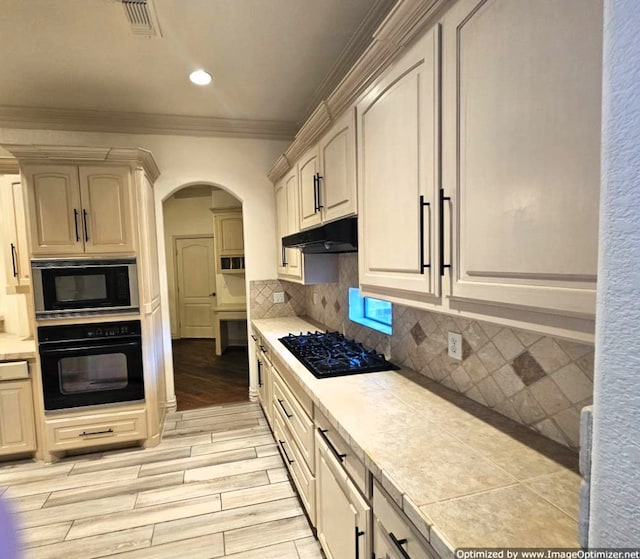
{"x": 110, "y": 347}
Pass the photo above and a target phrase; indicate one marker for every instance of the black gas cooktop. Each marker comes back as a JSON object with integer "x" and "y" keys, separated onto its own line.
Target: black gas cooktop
{"x": 330, "y": 354}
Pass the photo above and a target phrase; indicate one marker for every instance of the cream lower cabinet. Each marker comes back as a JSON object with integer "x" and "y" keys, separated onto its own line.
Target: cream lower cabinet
{"x": 343, "y": 517}
{"x": 265, "y": 380}
{"x": 393, "y": 535}
{"x": 521, "y": 150}
{"x": 398, "y": 172}
{"x": 17, "y": 429}
{"x": 14, "y": 229}
{"x": 79, "y": 209}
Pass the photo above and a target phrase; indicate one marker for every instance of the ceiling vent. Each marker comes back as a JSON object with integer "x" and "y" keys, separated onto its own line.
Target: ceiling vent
{"x": 142, "y": 17}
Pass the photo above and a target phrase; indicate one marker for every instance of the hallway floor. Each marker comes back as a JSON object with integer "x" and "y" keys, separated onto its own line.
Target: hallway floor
{"x": 214, "y": 487}
{"x": 203, "y": 379}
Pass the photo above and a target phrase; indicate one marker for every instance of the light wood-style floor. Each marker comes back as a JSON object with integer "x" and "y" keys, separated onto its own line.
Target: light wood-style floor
{"x": 214, "y": 487}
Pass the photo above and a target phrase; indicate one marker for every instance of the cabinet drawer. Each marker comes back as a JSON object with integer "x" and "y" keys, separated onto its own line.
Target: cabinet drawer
{"x": 303, "y": 478}
{"x": 296, "y": 419}
{"x": 393, "y": 531}
{"x": 292, "y": 384}
{"x": 14, "y": 370}
{"x": 350, "y": 462}
{"x": 82, "y": 432}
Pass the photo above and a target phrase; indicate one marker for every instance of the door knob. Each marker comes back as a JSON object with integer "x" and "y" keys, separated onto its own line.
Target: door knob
{"x": 212, "y": 294}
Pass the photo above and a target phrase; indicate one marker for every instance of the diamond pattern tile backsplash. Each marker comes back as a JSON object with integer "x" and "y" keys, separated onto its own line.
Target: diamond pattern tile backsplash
{"x": 261, "y": 299}
{"x": 540, "y": 381}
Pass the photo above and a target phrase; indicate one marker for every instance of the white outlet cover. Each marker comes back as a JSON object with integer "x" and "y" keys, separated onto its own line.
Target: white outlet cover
{"x": 278, "y": 297}
{"x": 455, "y": 345}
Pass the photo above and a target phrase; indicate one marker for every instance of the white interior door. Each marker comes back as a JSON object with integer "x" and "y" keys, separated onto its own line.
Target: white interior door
{"x": 196, "y": 287}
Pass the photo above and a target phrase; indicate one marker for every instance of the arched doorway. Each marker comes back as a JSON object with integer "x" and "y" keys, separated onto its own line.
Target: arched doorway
{"x": 206, "y": 295}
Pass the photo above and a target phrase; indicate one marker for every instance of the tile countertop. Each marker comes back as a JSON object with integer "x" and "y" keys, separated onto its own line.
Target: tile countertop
{"x": 465, "y": 476}
{"x": 15, "y": 347}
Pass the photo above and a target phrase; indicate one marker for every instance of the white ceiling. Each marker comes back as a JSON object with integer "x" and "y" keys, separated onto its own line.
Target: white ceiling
{"x": 268, "y": 57}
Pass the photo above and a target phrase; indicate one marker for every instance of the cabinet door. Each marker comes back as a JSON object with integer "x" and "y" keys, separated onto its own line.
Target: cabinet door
{"x": 293, "y": 256}
{"x": 106, "y": 209}
{"x": 230, "y": 235}
{"x": 398, "y": 159}
{"x": 342, "y": 515}
{"x": 338, "y": 170}
{"x": 310, "y": 214}
{"x": 15, "y": 248}
{"x": 54, "y": 210}
{"x": 281, "y": 225}
{"x": 521, "y": 150}
{"x": 17, "y": 431}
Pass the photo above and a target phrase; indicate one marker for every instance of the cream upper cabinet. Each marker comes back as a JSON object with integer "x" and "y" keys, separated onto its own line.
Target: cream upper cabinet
{"x": 14, "y": 228}
{"x": 328, "y": 175}
{"x": 229, "y": 235}
{"x": 289, "y": 259}
{"x": 308, "y": 167}
{"x": 521, "y": 150}
{"x": 84, "y": 209}
{"x": 398, "y": 176}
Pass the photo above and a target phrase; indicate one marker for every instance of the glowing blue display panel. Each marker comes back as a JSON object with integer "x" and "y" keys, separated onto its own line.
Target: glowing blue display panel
{"x": 370, "y": 312}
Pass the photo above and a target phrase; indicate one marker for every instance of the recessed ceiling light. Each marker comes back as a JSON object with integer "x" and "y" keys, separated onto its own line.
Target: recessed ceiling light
{"x": 200, "y": 77}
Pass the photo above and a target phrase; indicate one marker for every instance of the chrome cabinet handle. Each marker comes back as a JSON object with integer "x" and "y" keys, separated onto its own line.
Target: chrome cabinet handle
{"x": 91, "y": 433}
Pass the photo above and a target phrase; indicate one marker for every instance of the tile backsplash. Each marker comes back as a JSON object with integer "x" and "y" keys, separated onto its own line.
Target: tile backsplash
{"x": 540, "y": 381}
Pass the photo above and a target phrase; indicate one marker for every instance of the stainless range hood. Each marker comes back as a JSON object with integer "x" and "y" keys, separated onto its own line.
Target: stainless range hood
{"x": 334, "y": 237}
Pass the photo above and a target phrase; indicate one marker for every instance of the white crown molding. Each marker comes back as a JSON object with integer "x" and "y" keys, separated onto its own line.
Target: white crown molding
{"x": 137, "y": 158}
{"x": 280, "y": 168}
{"x": 143, "y": 123}
{"x": 9, "y": 166}
{"x": 401, "y": 25}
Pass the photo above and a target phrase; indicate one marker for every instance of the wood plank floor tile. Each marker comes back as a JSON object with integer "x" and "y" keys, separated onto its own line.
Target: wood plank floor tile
{"x": 30, "y": 502}
{"x": 94, "y": 547}
{"x": 200, "y": 489}
{"x": 197, "y": 462}
{"x": 232, "y": 468}
{"x": 43, "y": 535}
{"x": 45, "y": 471}
{"x": 204, "y": 547}
{"x": 261, "y": 494}
{"x": 76, "y": 511}
{"x": 214, "y": 427}
{"x": 308, "y": 548}
{"x": 69, "y": 482}
{"x": 219, "y": 410}
{"x": 285, "y": 550}
{"x": 276, "y": 475}
{"x": 268, "y": 533}
{"x": 106, "y": 523}
{"x": 149, "y": 456}
{"x": 233, "y": 444}
{"x": 228, "y": 419}
{"x": 239, "y": 433}
{"x": 227, "y": 520}
{"x": 266, "y": 450}
{"x": 82, "y": 494}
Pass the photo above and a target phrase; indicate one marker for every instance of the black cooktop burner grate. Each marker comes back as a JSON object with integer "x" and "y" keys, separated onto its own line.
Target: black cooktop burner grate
{"x": 330, "y": 354}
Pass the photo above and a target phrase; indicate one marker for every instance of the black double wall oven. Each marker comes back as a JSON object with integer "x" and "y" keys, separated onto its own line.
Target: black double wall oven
{"x": 88, "y": 364}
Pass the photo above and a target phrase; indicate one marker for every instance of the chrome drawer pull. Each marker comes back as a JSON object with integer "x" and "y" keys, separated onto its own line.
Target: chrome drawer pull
{"x": 91, "y": 433}
{"x": 339, "y": 456}
{"x": 399, "y": 543}
{"x": 289, "y": 416}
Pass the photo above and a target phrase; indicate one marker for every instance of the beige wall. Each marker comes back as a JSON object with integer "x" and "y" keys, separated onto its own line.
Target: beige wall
{"x": 237, "y": 165}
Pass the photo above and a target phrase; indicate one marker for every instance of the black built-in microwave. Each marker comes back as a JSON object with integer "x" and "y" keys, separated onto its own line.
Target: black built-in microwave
{"x": 84, "y": 287}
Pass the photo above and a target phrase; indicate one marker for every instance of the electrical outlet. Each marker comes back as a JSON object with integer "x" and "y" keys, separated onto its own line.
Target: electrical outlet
{"x": 316, "y": 298}
{"x": 278, "y": 297}
{"x": 455, "y": 345}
